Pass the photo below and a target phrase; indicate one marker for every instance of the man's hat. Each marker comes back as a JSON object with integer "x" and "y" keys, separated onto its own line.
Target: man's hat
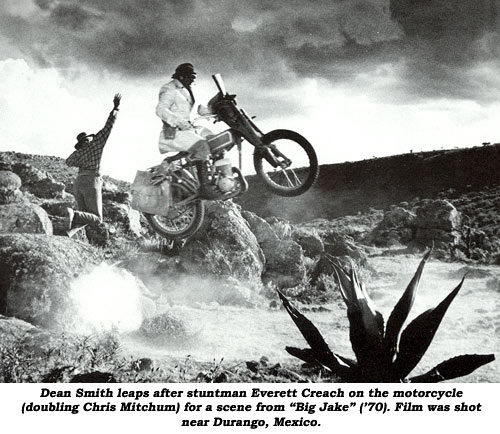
{"x": 185, "y": 69}
{"x": 80, "y": 137}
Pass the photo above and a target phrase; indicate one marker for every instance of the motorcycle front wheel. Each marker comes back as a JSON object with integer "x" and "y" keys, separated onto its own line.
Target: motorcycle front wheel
{"x": 182, "y": 221}
{"x": 297, "y": 165}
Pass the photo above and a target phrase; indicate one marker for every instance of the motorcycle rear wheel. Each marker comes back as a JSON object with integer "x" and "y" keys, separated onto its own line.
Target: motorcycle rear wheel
{"x": 182, "y": 221}
{"x": 301, "y": 173}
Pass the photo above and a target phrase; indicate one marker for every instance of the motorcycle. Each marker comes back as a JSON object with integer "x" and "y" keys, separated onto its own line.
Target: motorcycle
{"x": 283, "y": 159}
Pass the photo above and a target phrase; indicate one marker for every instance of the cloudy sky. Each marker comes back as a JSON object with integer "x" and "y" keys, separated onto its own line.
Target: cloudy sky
{"x": 358, "y": 78}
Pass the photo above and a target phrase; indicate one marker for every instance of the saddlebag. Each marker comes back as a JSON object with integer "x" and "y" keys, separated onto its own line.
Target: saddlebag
{"x": 148, "y": 198}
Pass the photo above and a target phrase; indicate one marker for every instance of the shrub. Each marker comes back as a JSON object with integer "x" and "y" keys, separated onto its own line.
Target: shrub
{"x": 383, "y": 354}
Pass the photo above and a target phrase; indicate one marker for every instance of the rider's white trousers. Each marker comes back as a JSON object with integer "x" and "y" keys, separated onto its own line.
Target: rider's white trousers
{"x": 183, "y": 140}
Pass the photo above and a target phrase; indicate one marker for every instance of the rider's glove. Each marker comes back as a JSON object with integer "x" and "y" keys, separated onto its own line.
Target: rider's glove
{"x": 184, "y": 125}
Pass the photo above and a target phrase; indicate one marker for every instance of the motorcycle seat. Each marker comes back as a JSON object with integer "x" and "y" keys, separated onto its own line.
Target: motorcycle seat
{"x": 176, "y": 157}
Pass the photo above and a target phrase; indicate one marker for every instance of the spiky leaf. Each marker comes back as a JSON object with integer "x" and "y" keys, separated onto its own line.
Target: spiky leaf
{"x": 344, "y": 284}
{"x": 307, "y": 355}
{"x": 356, "y": 298}
{"x": 368, "y": 348}
{"x": 304, "y": 354}
{"x": 400, "y": 312}
{"x": 417, "y": 337}
{"x": 313, "y": 337}
{"x": 454, "y": 368}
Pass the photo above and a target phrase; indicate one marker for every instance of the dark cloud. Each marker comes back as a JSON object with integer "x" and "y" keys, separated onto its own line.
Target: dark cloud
{"x": 71, "y": 16}
{"x": 445, "y": 42}
{"x": 45, "y": 4}
{"x": 142, "y": 37}
{"x": 435, "y": 44}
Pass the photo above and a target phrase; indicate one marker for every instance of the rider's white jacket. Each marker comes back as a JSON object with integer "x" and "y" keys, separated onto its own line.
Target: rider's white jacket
{"x": 175, "y": 104}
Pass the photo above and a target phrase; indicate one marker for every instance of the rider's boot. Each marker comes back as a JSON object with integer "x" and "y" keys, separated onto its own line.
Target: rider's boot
{"x": 207, "y": 191}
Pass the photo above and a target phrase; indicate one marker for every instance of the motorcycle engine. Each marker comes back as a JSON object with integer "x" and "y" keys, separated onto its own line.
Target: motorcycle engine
{"x": 226, "y": 184}
{"x": 225, "y": 181}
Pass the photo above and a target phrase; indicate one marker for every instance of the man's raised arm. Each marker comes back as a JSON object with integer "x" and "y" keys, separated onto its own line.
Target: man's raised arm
{"x": 102, "y": 136}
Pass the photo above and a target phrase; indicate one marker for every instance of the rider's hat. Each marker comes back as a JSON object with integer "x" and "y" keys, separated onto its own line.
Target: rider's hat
{"x": 80, "y": 138}
{"x": 185, "y": 70}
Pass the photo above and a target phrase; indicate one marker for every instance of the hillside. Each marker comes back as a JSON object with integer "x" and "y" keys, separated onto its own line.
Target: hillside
{"x": 353, "y": 187}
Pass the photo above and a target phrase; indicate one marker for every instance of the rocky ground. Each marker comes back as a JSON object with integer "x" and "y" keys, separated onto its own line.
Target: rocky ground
{"x": 245, "y": 256}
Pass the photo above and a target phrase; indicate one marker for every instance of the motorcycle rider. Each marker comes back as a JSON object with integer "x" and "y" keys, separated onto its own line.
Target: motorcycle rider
{"x": 176, "y": 106}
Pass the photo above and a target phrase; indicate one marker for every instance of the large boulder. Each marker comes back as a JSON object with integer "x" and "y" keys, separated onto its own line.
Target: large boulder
{"x": 58, "y": 207}
{"x": 397, "y": 227}
{"x": 225, "y": 246}
{"x": 310, "y": 241}
{"x": 9, "y": 187}
{"x": 36, "y": 274}
{"x": 260, "y": 228}
{"x": 38, "y": 182}
{"x": 438, "y": 214}
{"x": 24, "y": 217}
{"x": 285, "y": 266}
{"x": 337, "y": 244}
{"x": 47, "y": 188}
{"x": 123, "y": 215}
{"x": 281, "y": 227}
{"x": 29, "y": 174}
{"x": 438, "y": 222}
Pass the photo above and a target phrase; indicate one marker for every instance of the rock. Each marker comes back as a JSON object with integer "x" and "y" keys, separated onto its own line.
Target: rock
{"x": 164, "y": 326}
{"x": 253, "y": 365}
{"x": 29, "y": 174}
{"x": 99, "y": 235}
{"x": 310, "y": 241}
{"x": 47, "y": 188}
{"x": 281, "y": 227}
{"x": 428, "y": 235}
{"x": 259, "y": 227}
{"x": 24, "y": 218}
{"x": 122, "y": 214}
{"x": 94, "y": 377}
{"x": 38, "y": 182}
{"x": 396, "y": 227}
{"x": 221, "y": 378}
{"x": 36, "y": 274}
{"x": 284, "y": 263}
{"x": 398, "y": 217}
{"x": 117, "y": 196}
{"x": 225, "y": 246}
{"x": 34, "y": 339}
{"x": 58, "y": 207}
{"x": 142, "y": 365}
{"x": 438, "y": 214}
{"x": 9, "y": 187}
{"x": 4, "y": 165}
{"x": 325, "y": 266}
{"x": 437, "y": 223}
{"x": 113, "y": 193}
{"x": 337, "y": 244}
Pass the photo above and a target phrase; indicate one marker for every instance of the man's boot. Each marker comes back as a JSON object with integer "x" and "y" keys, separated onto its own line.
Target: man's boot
{"x": 207, "y": 191}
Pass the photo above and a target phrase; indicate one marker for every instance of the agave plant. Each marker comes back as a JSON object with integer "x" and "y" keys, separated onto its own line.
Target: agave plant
{"x": 383, "y": 352}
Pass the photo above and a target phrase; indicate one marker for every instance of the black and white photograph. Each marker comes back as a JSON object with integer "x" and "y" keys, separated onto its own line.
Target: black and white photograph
{"x": 267, "y": 192}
